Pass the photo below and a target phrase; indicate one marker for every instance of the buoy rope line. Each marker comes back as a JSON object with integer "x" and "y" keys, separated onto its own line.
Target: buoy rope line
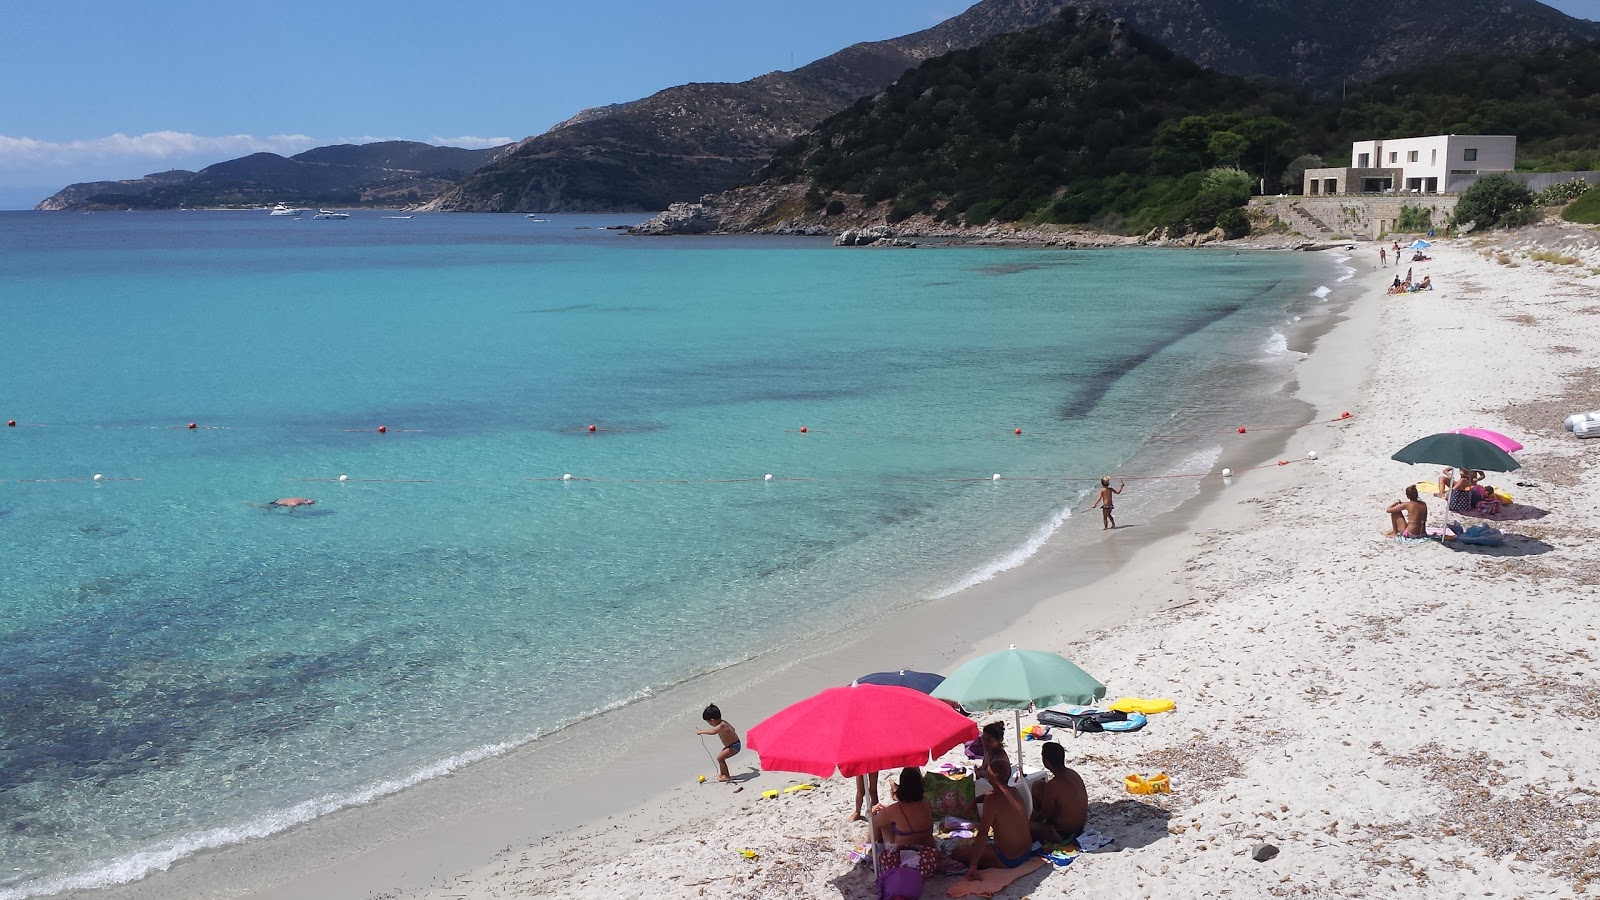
{"x": 768, "y": 478}
{"x": 596, "y": 429}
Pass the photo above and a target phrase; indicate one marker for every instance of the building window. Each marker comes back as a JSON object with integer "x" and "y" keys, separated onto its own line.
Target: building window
{"x": 1470, "y": 154}
{"x": 1433, "y": 157}
{"x": 1412, "y": 156}
{"x": 1394, "y": 158}
{"x": 1366, "y": 161}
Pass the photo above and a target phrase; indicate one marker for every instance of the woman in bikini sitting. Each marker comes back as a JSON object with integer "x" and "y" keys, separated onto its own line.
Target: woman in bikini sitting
{"x": 1408, "y": 517}
{"x": 907, "y": 823}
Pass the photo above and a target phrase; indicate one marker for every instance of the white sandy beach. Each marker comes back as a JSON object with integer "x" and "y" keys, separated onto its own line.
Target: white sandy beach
{"x": 1400, "y": 719}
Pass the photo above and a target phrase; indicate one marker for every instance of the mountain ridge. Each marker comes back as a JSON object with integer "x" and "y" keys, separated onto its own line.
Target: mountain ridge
{"x": 646, "y": 154}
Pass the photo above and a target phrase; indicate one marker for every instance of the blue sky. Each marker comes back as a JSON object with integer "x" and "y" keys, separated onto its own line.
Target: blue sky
{"x": 107, "y": 89}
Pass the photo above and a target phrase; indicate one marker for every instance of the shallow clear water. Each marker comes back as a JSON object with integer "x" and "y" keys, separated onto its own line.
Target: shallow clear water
{"x": 180, "y": 667}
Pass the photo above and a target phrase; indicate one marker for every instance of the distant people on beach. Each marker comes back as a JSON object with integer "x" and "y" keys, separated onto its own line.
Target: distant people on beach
{"x": 1102, "y": 499}
{"x": 1383, "y": 257}
{"x": 1408, "y": 517}
{"x": 1004, "y": 838}
{"x": 731, "y": 745}
{"x": 1447, "y": 477}
{"x": 1061, "y": 804}
{"x": 1427, "y": 283}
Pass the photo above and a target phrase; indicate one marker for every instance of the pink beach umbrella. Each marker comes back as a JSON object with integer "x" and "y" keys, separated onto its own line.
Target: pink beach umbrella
{"x": 1509, "y": 445}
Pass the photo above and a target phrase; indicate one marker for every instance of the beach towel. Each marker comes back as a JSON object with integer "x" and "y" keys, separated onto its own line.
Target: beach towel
{"x": 992, "y": 881}
{"x": 1133, "y": 722}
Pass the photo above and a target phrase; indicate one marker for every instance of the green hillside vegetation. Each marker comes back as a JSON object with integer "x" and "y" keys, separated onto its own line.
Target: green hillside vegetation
{"x": 1071, "y": 124}
{"x": 1550, "y": 101}
{"x": 1065, "y": 123}
{"x": 1585, "y": 210}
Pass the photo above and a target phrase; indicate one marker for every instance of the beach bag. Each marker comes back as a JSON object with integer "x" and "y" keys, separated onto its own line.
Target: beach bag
{"x": 900, "y": 883}
{"x": 950, "y": 796}
{"x": 1460, "y": 501}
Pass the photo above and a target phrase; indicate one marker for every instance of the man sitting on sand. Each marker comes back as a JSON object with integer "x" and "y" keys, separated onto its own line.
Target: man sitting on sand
{"x": 1003, "y": 818}
{"x": 1060, "y": 805}
{"x": 1408, "y": 517}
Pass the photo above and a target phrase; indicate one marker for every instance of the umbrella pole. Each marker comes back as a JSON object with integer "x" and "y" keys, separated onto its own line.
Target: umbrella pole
{"x": 1018, "y": 725}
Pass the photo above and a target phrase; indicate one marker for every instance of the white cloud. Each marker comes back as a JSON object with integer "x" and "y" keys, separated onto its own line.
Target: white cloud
{"x": 154, "y": 146}
{"x": 470, "y": 142}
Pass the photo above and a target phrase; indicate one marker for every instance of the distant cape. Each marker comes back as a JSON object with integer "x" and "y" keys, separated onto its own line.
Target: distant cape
{"x": 385, "y": 173}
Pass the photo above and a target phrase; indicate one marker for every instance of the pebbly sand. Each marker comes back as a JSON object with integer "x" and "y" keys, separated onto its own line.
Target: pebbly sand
{"x": 1400, "y": 719}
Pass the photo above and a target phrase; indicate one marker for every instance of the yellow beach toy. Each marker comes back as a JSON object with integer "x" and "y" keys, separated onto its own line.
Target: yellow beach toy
{"x": 799, "y": 787}
{"x": 1155, "y": 784}
{"x": 1145, "y": 705}
{"x": 769, "y": 795}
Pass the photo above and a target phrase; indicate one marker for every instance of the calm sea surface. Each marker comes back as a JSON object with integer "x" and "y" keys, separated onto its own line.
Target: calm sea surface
{"x": 180, "y": 667}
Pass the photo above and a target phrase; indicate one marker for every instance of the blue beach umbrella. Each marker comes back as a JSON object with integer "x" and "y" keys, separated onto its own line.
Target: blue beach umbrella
{"x": 906, "y": 678}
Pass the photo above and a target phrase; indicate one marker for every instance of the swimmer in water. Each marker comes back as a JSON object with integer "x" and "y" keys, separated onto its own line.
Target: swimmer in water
{"x": 290, "y": 503}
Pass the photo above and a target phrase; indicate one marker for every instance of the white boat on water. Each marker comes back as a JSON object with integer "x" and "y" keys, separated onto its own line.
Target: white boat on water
{"x": 536, "y": 217}
{"x": 330, "y": 214}
{"x": 281, "y": 210}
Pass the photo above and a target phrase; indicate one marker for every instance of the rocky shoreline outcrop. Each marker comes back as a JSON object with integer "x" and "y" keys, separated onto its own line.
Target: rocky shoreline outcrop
{"x": 781, "y": 209}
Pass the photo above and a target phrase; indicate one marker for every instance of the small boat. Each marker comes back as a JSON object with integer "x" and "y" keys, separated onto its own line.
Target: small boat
{"x": 399, "y": 217}
{"x": 536, "y": 217}
{"x": 281, "y": 210}
{"x": 330, "y": 214}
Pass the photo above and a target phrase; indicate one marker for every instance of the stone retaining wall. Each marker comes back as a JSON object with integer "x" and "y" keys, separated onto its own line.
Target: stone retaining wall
{"x": 1358, "y": 215}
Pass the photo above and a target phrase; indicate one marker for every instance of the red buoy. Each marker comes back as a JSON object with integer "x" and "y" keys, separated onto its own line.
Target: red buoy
{"x": 191, "y": 426}
{"x": 1241, "y": 429}
{"x": 591, "y": 429}
{"x": 383, "y": 429}
{"x": 1344, "y": 415}
{"x": 1283, "y": 462}
{"x": 1017, "y": 431}
{"x": 802, "y": 429}
{"x": 11, "y": 423}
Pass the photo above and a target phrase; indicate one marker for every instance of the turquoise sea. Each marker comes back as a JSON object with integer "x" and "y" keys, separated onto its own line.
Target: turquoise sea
{"x": 182, "y": 668}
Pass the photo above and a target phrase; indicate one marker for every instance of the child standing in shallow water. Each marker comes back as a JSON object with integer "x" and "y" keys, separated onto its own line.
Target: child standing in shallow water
{"x": 731, "y": 744}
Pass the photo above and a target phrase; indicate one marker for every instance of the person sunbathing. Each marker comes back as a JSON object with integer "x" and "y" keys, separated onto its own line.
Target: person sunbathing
{"x": 1060, "y": 805}
{"x": 1395, "y": 288}
{"x": 1427, "y": 283}
{"x": 1005, "y": 820}
{"x": 1408, "y": 517}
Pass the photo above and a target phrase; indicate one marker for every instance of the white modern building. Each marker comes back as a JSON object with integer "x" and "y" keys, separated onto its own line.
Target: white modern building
{"x": 1440, "y": 164}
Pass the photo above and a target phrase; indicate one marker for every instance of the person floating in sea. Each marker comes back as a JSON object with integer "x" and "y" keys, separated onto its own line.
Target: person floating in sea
{"x": 731, "y": 745}
{"x": 1102, "y": 499}
{"x": 289, "y": 503}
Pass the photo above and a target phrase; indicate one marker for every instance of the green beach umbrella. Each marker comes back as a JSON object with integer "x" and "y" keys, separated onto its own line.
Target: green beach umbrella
{"x": 1019, "y": 679}
{"x": 1460, "y": 450}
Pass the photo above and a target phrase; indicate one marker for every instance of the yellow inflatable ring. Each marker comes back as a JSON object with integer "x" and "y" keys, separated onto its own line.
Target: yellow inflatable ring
{"x": 1143, "y": 705}
{"x": 1155, "y": 784}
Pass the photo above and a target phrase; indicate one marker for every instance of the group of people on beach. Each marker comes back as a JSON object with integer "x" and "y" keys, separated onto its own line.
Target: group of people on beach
{"x": 1005, "y": 831}
{"x": 1463, "y": 492}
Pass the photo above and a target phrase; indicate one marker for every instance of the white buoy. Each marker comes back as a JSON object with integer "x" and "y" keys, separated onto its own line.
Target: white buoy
{"x": 996, "y": 477}
{"x": 344, "y": 477}
{"x": 769, "y": 477}
{"x": 1227, "y": 473}
{"x": 99, "y": 477}
{"x": 1311, "y": 454}
{"x": 567, "y": 477}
